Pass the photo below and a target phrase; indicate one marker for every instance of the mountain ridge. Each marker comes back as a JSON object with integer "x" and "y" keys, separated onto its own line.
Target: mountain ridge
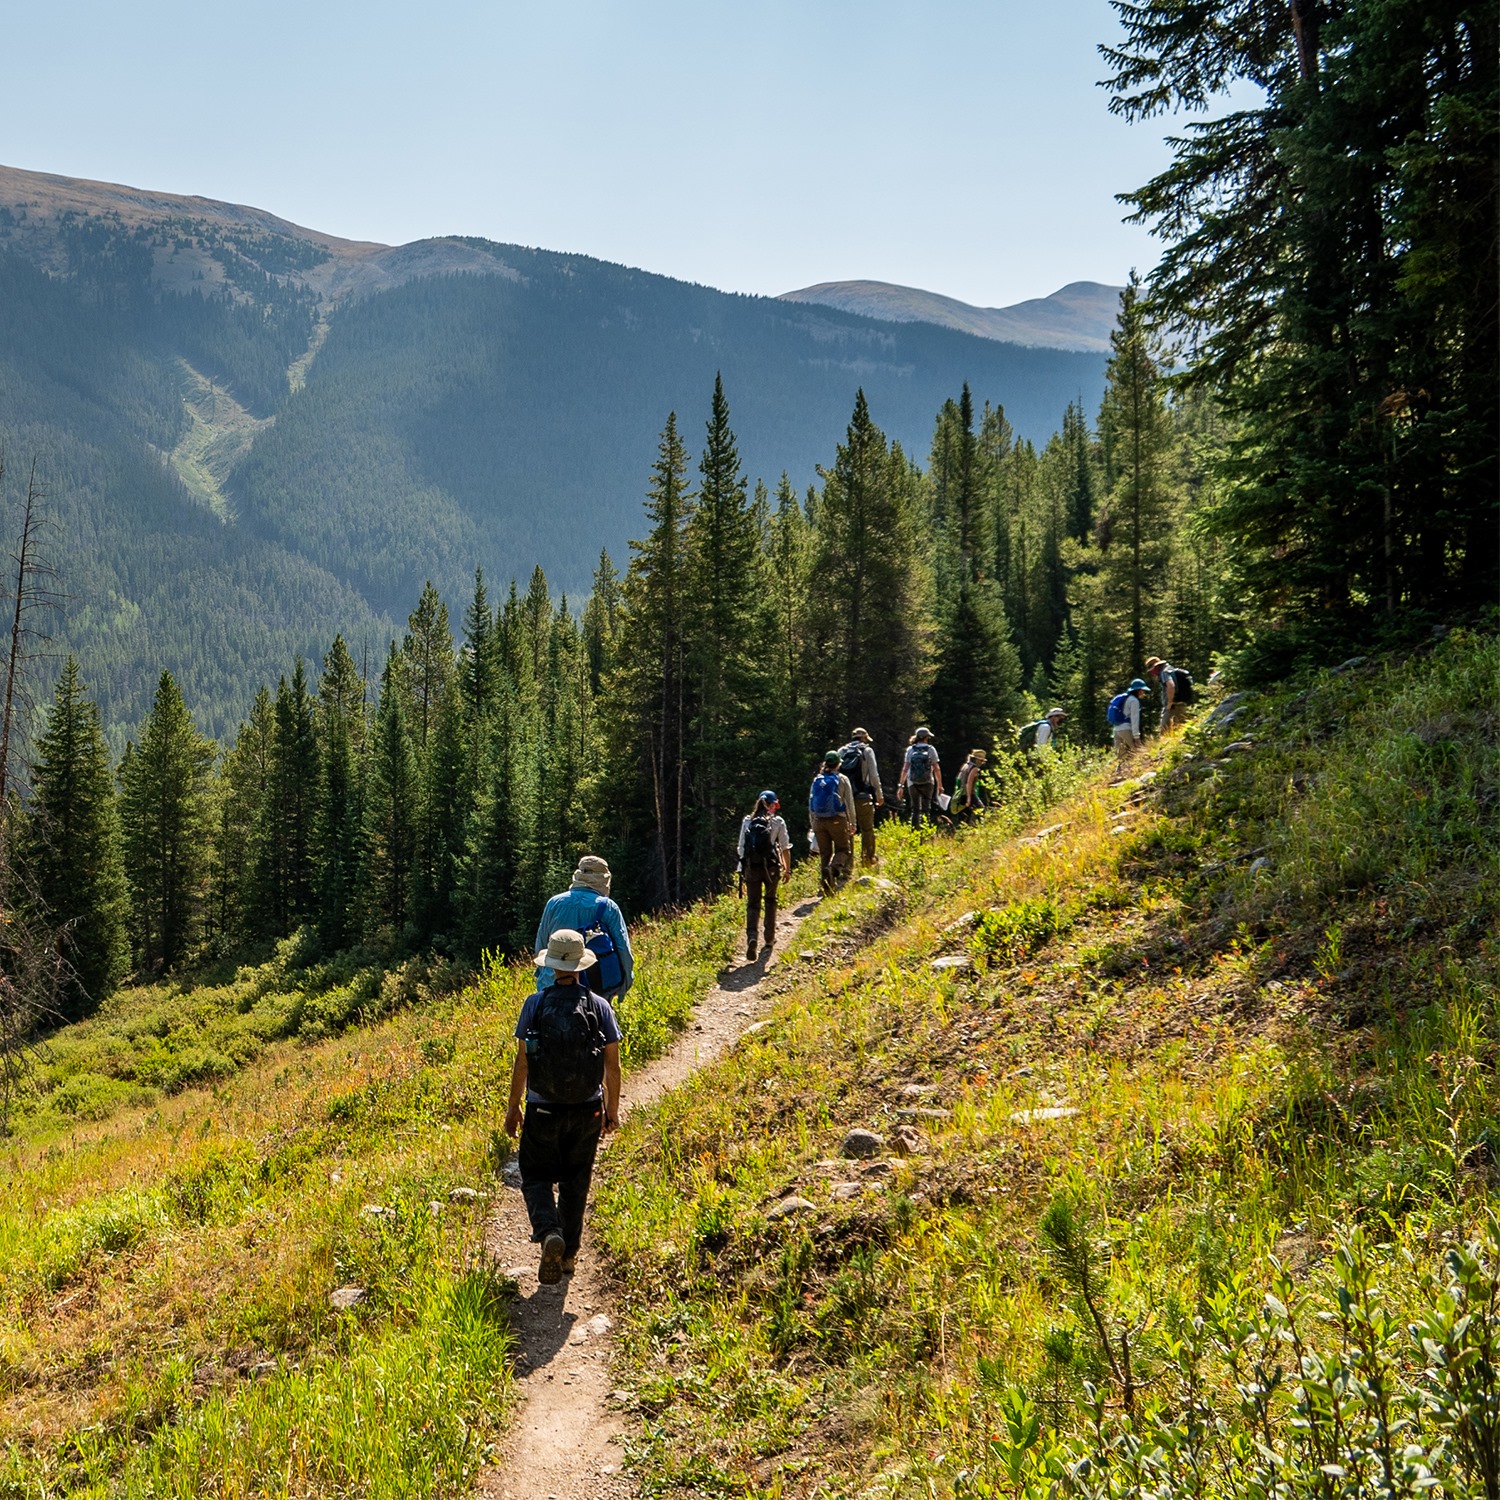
{"x": 1078, "y": 316}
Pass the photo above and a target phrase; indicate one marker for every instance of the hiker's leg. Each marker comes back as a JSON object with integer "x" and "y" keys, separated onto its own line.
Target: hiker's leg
{"x": 541, "y": 1166}
{"x": 864, "y": 810}
{"x": 771, "y": 911}
{"x": 581, "y": 1143}
{"x": 843, "y": 844}
{"x": 823, "y": 831}
{"x": 754, "y": 879}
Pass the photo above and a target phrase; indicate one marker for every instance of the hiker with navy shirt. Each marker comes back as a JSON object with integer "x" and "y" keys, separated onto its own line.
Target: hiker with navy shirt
{"x": 765, "y": 860}
{"x": 921, "y": 776}
{"x": 567, "y": 1068}
{"x": 585, "y": 906}
{"x": 830, "y": 804}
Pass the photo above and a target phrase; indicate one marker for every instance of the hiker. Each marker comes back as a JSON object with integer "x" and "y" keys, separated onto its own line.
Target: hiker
{"x": 967, "y": 803}
{"x": 1176, "y": 691}
{"x": 921, "y": 776}
{"x": 1039, "y": 734}
{"x": 857, "y": 762}
{"x": 568, "y": 1070}
{"x": 1125, "y": 718}
{"x": 765, "y": 861}
{"x": 586, "y": 907}
{"x": 830, "y": 802}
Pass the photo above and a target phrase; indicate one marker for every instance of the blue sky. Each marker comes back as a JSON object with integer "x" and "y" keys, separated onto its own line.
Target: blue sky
{"x": 756, "y": 147}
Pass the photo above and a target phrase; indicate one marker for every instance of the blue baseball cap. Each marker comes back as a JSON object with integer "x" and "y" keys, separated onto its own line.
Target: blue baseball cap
{"x": 768, "y": 796}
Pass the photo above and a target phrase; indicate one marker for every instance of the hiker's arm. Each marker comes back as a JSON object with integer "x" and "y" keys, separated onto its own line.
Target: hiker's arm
{"x": 518, "y": 1090}
{"x": 872, "y": 777}
{"x": 611, "y": 1086}
{"x": 617, "y": 931}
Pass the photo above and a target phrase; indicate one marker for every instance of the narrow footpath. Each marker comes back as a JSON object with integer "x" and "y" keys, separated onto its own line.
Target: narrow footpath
{"x": 566, "y": 1442}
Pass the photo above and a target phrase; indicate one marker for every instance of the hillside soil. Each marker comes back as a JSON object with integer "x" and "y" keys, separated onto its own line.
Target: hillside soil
{"x": 567, "y": 1435}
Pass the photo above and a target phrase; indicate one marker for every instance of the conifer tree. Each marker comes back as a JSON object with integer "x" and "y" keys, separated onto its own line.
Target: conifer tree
{"x": 165, "y": 814}
{"x": 647, "y": 695}
{"x": 286, "y": 855}
{"x": 440, "y": 834}
{"x": 72, "y": 852}
{"x": 427, "y": 669}
{"x": 392, "y": 808}
{"x": 1136, "y": 431}
{"x": 722, "y": 541}
{"x": 601, "y": 620}
{"x": 237, "y": 904}
{"x": 339, "y": 822}
{"x": 479, "y": 659}
{"x": 872, "y": 626}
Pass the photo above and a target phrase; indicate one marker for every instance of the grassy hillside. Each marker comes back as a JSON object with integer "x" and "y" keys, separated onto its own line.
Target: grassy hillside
{"x": 1219, "y": 1050}
{"x": 1215, "y": 1094}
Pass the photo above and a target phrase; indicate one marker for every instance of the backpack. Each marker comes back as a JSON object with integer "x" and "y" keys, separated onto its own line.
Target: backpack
{"x": 565, "y": 1045}
{"x": 825, "y": 801}
{"x": 1182, "y": 684}
{"x": 760, "y": 846}
{"x": 1026, "y": 734}
{"x": 609, "y": 972}
{"x": 852, "y": 764}
{"x": 919, "y": 764}
{"x": 1116, "y": 714}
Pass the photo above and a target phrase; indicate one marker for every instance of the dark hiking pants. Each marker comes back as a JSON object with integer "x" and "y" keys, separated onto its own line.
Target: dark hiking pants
{"x": 557, "y": 1150}
{"x": 760, "y": 886}
{"x": 920, "y": 801}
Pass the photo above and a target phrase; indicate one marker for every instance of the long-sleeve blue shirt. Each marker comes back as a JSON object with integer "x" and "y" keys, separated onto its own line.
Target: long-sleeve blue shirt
{"x": 575, "y": 908}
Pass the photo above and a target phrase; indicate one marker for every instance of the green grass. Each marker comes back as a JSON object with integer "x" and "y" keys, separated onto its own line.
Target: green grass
{"x": 166, "y": 1262}
{"x": 1233, "y": 1081}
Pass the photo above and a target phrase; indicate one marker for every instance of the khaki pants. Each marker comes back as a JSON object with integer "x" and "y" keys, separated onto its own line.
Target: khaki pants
{"x": 1173, "y": 716}
{"x": 864, "y": 816}
{"x": 1126, "y": 743}
{"x": 835, "y": 848}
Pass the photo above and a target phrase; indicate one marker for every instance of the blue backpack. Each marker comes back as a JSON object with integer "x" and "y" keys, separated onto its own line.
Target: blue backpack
{"x": 1117, "y": 715}
{"x": 825, "y": 801}
{"x": 609, "y": 972}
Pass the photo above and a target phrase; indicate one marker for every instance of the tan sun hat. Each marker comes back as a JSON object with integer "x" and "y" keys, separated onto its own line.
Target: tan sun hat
{"x": 1153, "y": 662}
{"x": 565, "y": 953}
{"x": 860, "y": 734}
{"x": 592, "y": 872}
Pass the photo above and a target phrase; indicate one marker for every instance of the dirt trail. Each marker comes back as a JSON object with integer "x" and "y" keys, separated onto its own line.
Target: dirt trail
{"x": 566, "y": 1439}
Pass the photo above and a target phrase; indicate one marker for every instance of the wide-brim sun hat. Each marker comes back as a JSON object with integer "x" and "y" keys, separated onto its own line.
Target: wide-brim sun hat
{"x": 1056, "y": 713}
{"x": 1153, "y": 662}
{"x": 565, "y": 953}
{"x": 860, "y": 734}
{"x": 1138, "y": 686}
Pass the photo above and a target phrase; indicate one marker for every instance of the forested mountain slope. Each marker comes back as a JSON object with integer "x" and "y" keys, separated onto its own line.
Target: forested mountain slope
{"x": 255, "y": 435}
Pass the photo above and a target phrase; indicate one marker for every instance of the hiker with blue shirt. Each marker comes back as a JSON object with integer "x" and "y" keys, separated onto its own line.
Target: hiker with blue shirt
{"x": 585, "y": 907}
{"x": 567, "y": 1068}
{"x": 830, "y": 804}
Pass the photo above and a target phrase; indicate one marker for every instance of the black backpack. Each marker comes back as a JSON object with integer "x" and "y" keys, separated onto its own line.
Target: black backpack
{"x": 919, "y": 765}
{"x": 565, "y": 1046}
{"x": 852, "y": 764}
{"x": 1026, "y": 735}
{"x": 760, "y": 846}
{"x": 1182, "y": 685}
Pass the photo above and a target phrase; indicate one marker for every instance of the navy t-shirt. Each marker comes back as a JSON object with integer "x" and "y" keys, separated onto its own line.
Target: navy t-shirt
{"x": 607, "y": 1024}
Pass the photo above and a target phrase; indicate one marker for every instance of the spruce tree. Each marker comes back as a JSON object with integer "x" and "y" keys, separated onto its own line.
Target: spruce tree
{"x": 239, "y": 905}
{"x": 286, "y": 850}
{"x": 479, "y": 659}
{"x": 72, "y": 852}
{"x": 427, "y": 668}
{"x": 870, "y": 578}
{"x": 165, "y": 814}
{"x": 392, "y": 809}
{"x": 339, "y": 821}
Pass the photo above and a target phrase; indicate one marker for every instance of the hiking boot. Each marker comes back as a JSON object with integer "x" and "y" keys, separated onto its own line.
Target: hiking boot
{"x": 550, "y": 1272}
{"x": 770, "y": 943}
{"x": 568, "y": 1262}
{"x": 749, "y": 953}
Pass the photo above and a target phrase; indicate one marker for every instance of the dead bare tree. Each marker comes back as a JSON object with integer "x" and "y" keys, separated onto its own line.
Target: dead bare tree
{"x": 32, "y": 967}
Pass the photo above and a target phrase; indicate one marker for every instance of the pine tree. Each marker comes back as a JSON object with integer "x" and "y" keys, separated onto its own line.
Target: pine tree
{"x": 722, "y": 541}
{"x": 72, "y": 852}
{"x": 339, "y": 822}
{"x": 165, "y": 814}
{"x": 238, "y": 905}
{"x": 479, "y": 659}
{"x": 393, "y": 788}
{"x": 1135, "y": 427}
{"x": 286, "y": 853}
{"x": 427, "y": 669}
{"x": 601, "y": 620}
{"x": 872, "y": 625}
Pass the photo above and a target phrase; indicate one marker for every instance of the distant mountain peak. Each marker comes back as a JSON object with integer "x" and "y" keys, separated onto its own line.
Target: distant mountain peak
{"x": 1077, "y": 316}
